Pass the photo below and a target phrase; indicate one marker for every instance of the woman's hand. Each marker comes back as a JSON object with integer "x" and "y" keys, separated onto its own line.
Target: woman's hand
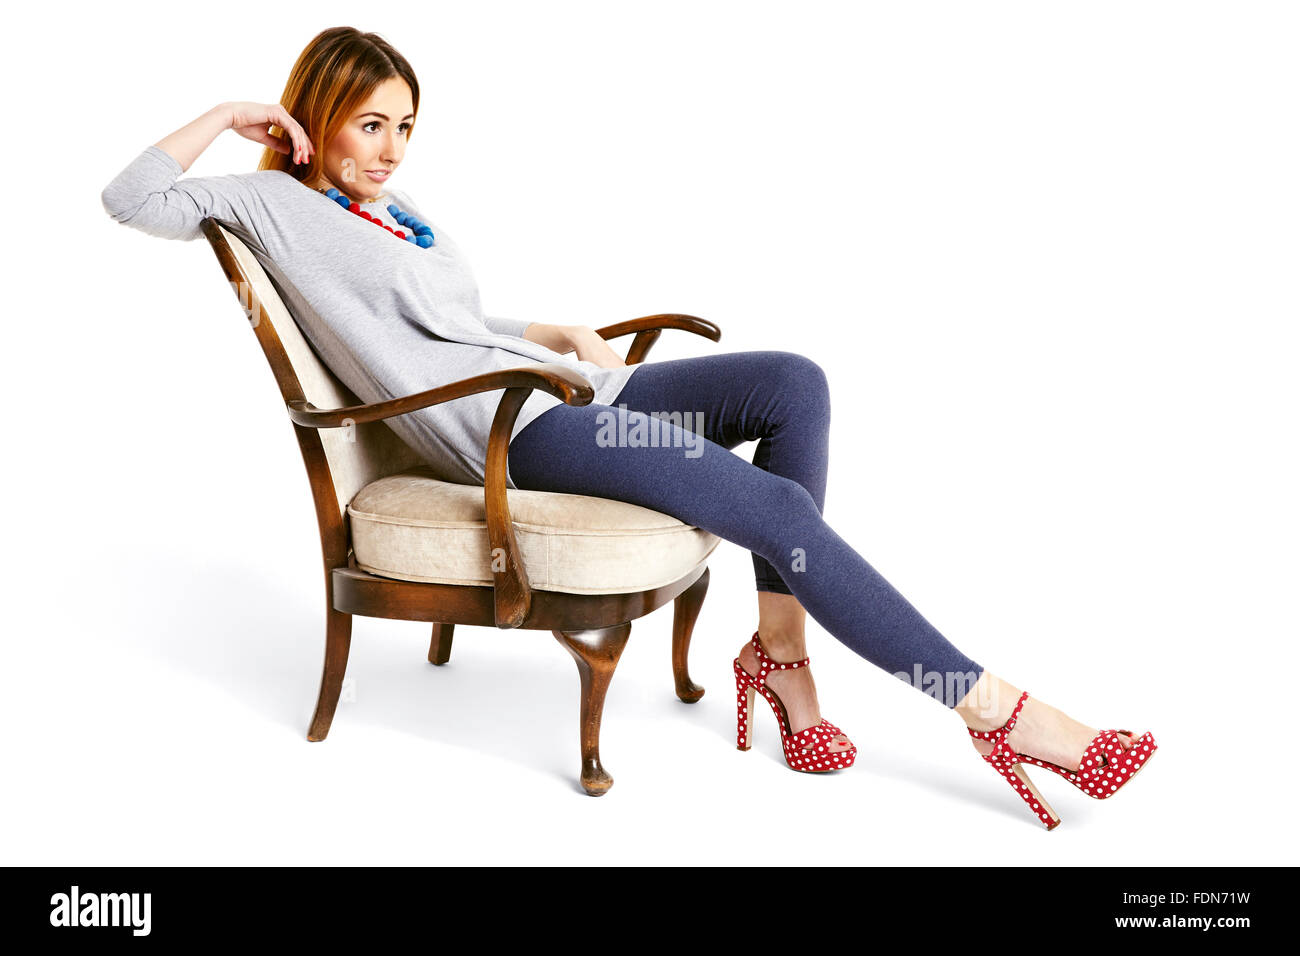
{"x": 581, "y": 339}
{"x": 592, "y": 348}
{"x": 253, "y": 121}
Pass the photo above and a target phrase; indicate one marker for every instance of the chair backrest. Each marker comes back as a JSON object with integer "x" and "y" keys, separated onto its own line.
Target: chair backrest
{"x": 340, "y": 461}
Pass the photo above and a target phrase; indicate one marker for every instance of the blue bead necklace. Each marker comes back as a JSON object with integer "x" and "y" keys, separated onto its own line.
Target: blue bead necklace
{"x": 420, "y": 234}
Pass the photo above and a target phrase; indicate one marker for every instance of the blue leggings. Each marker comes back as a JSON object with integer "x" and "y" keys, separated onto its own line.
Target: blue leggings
{"x": 664, "y": 444}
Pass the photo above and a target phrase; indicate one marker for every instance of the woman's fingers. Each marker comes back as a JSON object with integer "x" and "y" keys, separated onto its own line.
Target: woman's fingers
{"x": 280, "y": 116}
{"x": 255, "y": 120}
{"x": 263, "y": 136}
{"x": 291, "y": 127}
{"x": 302, "y": 144}
{"x": 301, "y": 147}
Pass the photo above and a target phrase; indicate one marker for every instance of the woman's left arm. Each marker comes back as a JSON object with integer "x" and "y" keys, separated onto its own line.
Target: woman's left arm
{"x": 582, "y": 339}
{"x": 557, "y": 338}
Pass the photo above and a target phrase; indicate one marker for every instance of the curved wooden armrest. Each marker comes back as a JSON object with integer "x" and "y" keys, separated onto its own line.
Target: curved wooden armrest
{"x": 565, "y": 383}
{"x": 511, "y": 593}
{"x": 649, "y": 327}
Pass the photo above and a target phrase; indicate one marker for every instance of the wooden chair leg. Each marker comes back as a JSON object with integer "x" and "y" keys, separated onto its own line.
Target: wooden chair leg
{"x": 338, "y": 640}
{"x": 440, "y": 643}
{"x": 686, "y": 608}
{"x": 596, "y": 653}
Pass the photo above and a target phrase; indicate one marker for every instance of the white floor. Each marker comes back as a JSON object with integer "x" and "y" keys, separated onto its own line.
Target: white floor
{"x": 177, "y": 736}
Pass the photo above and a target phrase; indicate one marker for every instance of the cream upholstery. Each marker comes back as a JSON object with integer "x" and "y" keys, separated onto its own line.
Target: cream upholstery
{"x": 408, "y": 524}
{"x": 414, "y": 527}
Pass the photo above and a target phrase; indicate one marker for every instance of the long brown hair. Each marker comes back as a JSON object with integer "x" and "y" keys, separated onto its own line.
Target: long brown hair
{"x": 335, "y": 74}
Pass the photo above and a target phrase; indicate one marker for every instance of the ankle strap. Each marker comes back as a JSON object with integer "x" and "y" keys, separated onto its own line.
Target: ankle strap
{"x": 1000, "y": 735}
{"x": 766, "y": 665}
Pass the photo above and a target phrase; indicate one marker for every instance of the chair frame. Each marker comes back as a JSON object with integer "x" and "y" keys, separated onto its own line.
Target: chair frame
{"x": 594, "y": 628}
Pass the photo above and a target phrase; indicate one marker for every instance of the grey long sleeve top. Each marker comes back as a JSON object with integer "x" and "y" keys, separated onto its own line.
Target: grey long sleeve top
{"x": 387, "y": 317}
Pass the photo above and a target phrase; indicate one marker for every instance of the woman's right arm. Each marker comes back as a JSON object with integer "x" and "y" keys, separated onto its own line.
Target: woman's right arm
{"x": 146, "y": 195}
{"x": 188, "y": 143}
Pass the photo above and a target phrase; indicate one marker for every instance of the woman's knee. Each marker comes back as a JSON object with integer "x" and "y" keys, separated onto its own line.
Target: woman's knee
{"x": 803, "y": 380}
{"x": 785, "y": 512}
{"x": 786, "y": 499}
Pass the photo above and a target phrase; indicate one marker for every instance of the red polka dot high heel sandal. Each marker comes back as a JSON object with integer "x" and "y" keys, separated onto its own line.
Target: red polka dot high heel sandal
{"x": 809, "y": 750}
{"x": 1105, "y": 768}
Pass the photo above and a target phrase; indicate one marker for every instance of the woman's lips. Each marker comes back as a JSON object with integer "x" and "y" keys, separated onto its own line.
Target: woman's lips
{"x": 377, "y": 175}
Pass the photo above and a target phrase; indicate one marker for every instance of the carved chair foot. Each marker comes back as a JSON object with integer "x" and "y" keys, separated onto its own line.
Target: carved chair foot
{"x": 686, "y": 608}
{"x": 594, "y": 779}
{"x": 596, "y": 652}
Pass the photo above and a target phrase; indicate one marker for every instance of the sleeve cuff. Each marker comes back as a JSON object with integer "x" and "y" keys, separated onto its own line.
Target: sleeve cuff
{"x": 501, "y": 326}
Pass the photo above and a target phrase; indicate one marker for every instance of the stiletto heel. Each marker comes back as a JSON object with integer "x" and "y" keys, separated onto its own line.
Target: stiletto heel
{"x": 744, "y": 708}
{"x": 1105, "y": 767}
{"x": 1021, "y": 783}
{"x": 808, "y": 751}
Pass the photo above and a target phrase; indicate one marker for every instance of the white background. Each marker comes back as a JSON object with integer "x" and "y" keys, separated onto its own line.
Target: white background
{"x": 1046, "y": 253}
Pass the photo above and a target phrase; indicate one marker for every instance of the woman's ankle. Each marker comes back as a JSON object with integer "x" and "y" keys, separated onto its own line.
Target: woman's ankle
{"x": 781, "y": 626}
{"x": 782, "y": 646}
{"x": 988, "y": 704}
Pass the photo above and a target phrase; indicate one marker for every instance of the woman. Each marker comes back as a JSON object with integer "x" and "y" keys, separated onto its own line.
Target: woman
{"x": 394, "y": 311}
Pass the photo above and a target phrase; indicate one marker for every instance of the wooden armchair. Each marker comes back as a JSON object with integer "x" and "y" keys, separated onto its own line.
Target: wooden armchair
{"x": 399, "y": 543}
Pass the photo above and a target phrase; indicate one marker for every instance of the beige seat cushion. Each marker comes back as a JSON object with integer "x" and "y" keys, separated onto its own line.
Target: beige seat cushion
{"x": 415, "y": 527}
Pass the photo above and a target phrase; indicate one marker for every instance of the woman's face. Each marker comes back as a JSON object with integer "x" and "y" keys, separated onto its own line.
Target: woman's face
{"x": 371, "y": 142}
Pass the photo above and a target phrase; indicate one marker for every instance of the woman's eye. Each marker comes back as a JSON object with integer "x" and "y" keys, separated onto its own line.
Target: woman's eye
{"x": 404, "y": 127}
